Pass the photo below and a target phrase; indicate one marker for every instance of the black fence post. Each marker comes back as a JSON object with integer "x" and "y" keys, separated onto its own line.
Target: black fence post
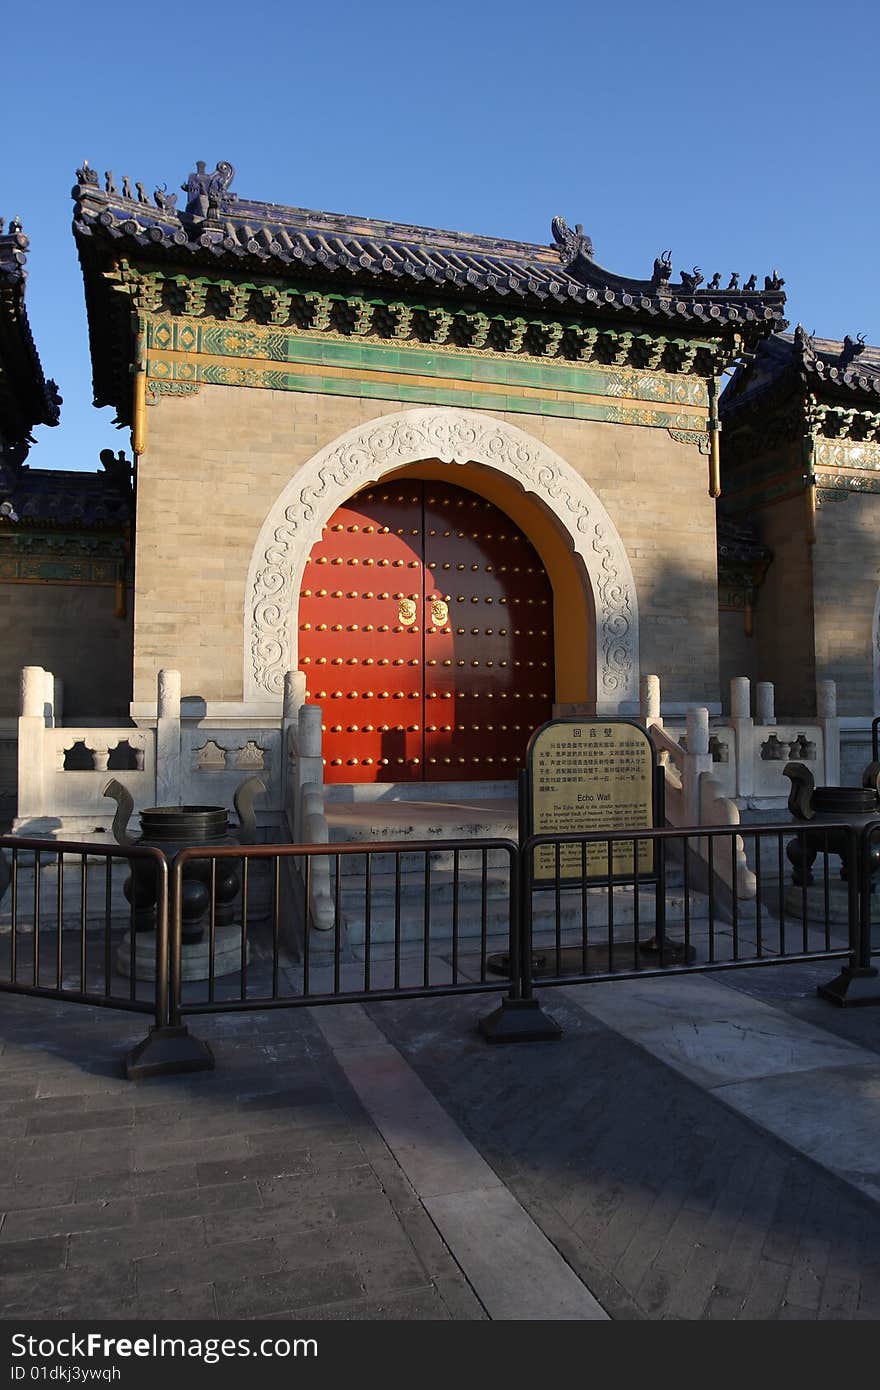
{"x": 660, "y": 852}
{"x": 857, "y": 983}
{"x": 169, "y": 1047}
{"x": 520, "y": 1017}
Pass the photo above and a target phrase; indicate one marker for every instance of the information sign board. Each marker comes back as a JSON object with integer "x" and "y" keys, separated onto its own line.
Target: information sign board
{"x": 591, "y": 775}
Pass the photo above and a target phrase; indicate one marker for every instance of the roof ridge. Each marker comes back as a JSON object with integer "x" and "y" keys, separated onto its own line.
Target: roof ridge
{"x": 216, "y": 224}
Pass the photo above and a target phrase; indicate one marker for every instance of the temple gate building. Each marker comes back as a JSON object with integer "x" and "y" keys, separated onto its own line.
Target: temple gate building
{"x": 460, "y": 482}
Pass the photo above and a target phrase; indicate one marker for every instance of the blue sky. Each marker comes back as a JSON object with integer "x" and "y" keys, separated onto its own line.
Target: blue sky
{"x": 742, "y": 137}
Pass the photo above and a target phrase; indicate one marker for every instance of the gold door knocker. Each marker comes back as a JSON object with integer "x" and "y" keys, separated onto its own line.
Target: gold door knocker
{"x": 406, "y": 612}
{"x": 439, "y": 612}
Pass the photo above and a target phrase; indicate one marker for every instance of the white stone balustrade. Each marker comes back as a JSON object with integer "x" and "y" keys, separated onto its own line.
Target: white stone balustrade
{"x": 749, "y": 753}
{"x": 738, "y": 761}
{"x": 55, "y": 799}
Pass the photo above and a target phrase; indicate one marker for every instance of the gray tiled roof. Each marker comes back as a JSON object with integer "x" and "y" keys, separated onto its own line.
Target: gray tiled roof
{"x": 269, "y": 239}
{"x": 64, "y": 497}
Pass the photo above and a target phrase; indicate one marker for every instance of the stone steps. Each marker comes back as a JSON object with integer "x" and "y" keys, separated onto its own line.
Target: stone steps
{"x": 385, "y": 794}
{"x": 468, "y": 893}
{"x": 436, "y": 822}
{"x": 403, "y": 874}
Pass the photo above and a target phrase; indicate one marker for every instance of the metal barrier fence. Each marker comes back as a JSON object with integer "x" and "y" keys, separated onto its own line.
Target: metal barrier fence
{"x": 415, "y": 919}
{"x": 409, "y": 919}
{"x": 68, "y": 928}
{"x": 732, "y": 897}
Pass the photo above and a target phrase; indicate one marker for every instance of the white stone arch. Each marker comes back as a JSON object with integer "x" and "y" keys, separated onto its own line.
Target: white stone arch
{"x": 363, "y": 455}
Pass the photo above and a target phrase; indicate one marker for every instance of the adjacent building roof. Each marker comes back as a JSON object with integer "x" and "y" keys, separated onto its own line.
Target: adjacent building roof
{"x": 833, "y": 371}
{"x": 26, "y": 397}
{"x": 218, "y": 233}
{"x": 41, "y": 497}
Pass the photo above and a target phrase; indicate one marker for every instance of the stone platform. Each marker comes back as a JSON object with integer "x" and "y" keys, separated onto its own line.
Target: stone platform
{"x": 194, "y": 956}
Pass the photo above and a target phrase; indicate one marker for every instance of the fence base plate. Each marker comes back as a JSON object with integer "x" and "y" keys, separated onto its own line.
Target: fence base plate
{"x": 852, "y": 987}
{"x": 165, "y": 1051}
{"x": 519, "y": 1020}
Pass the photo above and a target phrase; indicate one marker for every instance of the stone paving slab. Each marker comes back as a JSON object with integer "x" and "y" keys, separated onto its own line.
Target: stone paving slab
{"x": 807, "y": 1085}
{"x": 835, "y": 1120}
{"x": 666, "y": 1202}
{"x": 258, "y": 1190}
{"x": 792, "y": 990}
{"x": 644, "y": 1161}
{"x": 710, "y": 1033}
{"x": 515, "y": 1270}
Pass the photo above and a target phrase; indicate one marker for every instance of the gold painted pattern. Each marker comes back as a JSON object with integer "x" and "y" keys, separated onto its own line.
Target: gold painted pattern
{"x": 847, "y": 453}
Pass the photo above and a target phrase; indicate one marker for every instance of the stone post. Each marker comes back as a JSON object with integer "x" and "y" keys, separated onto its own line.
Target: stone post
{"x": 316, "y": 832}
{"x": 698, "y": 731}
{"x": 294, "y": 694}
{"x": 168, "y": 784}
{"x": 826, "y": 711}
{"x": 49, "y": 699}
{"x": 765, "y": 703}
{"x": 309, "y": 762}
{"x": 310, "y": 733}
{"x": 740, "y": 698}
{"x": 31, "y": 738}
{"x": 311, "y": 822}
{"x": 294, "y": 698}
{"x": 697, "y": 760}
{"x": 744, "y": 734}
{"x": 58, "y": 701}
{"x": 649, "y": 698}
{"x": 33, "y": 693}
{"x": 826, "y": 699}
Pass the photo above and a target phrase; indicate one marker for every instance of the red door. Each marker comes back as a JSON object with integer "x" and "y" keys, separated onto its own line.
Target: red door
{"x": 426, "y": 635}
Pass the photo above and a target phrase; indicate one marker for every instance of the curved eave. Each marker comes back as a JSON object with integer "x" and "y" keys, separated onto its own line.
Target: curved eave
{"x": 830, "y": 379}
{"x": 750, "y": 306}
{"x": 26, "y": 398}
{"x": 111, "y": 336}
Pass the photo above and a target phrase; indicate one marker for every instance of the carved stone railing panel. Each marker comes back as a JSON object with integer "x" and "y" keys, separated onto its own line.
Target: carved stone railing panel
{"x": 63, "y": 780}
{"x": 214, "y": 762}
{"x": 210, "y": 757}
{"x": 251, "y": 757}
{"x": 773, "y": 749}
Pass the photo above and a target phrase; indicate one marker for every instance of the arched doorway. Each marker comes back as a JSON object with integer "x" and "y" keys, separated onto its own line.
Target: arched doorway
{"x": 426, "y": 636}
{"x": 591, "y": 563}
